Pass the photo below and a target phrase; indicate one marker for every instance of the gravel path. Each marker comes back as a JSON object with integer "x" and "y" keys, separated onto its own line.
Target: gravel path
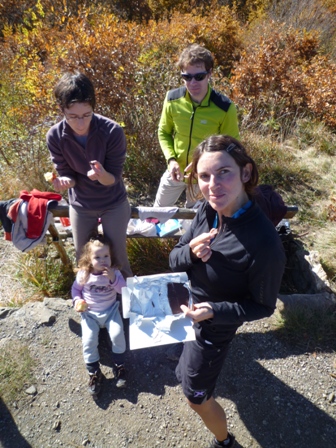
{"x": 275, "y": 396}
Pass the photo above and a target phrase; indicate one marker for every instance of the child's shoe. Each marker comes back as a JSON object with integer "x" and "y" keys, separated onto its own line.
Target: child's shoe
{"x": 120, "y": 375}
{"x": 95, "y": 382}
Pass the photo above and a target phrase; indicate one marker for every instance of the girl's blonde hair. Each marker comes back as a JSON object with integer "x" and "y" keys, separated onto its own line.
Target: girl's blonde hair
{"x": 84, "y": 262}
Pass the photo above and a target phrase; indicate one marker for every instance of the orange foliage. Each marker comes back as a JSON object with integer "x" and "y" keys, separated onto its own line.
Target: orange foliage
{"x": 217, "y": 29}
{"x": 281, "y": 76}
{"x": 331, "y": 210}
{"x": 132, "y": 64}
{"x": 320, "y": 82}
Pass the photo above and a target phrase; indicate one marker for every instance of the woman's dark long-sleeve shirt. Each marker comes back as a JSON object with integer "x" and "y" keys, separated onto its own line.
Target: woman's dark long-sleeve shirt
{"x": 242, "y": 278}
{"x": 106, "y": 143}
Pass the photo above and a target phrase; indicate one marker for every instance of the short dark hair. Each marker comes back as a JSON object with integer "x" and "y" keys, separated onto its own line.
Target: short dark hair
{"x": 235, "y": 149}
{"x": 74, "y": 88}
{"x": 195, "y": 54}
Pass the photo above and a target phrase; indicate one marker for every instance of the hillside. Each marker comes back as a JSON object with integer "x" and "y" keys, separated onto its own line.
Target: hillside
{"x": 272, "y": 392}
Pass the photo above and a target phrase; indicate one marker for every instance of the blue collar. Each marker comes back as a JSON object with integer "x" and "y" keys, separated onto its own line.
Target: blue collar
{"x": 235, "y": 215}
{"x": 242, "y": 210}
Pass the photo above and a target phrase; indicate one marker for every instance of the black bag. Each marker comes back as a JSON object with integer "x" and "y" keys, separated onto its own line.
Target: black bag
{"x": 271, "y": 203}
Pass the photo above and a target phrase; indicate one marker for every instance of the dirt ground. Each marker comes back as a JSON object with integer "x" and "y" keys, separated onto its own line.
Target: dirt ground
{"x": 275, "y": 395}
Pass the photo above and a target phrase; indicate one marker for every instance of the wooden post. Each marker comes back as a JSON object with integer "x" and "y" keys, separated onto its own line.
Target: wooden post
{"x": 59, "y": 245}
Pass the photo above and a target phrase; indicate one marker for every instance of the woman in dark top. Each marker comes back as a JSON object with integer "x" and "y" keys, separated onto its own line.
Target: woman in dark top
{"x": 234, "y": 260}
{"x": 88, "y": 151}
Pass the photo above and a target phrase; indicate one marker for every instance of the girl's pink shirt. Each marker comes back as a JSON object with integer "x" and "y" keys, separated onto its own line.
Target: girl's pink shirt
{"x": 98, "y": 292}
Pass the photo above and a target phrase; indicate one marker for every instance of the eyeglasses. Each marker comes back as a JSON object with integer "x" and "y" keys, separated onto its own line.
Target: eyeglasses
{"x": 197, "y": 76}
{"x": 86, "y": 116}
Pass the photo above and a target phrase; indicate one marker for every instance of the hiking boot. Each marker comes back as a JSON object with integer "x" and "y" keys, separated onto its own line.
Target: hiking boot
{"x": 95, "y": 382}
{"x": 228, "y": 443}
{"x": 120, "y": 375}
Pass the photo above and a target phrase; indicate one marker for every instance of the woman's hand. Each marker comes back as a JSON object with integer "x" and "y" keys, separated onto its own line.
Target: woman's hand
{"x": 201, "y": 311}
{"x": 62, "y": 183}
{"x": 99, "y": 173}
{"x": 200, "y": 246}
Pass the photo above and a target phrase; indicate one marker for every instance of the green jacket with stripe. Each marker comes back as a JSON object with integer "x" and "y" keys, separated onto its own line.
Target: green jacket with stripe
{"x": 184, "y": 124}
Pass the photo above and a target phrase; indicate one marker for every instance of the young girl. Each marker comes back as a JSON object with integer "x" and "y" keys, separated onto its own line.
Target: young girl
{"x": 94, "y": 295}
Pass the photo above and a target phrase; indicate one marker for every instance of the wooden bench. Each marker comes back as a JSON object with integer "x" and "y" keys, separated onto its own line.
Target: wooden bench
{"x": 62, "y": 211}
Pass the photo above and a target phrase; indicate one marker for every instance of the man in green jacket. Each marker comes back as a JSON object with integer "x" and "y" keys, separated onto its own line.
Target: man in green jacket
{"x": 190, "y": 114}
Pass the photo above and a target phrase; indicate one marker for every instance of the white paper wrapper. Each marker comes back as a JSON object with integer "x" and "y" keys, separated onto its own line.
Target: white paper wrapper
{"x": 145, "y": 302}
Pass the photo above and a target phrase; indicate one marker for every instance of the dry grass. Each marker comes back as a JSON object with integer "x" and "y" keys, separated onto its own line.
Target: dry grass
{"x": 31, "y": 276}
{"x": 303, "y": 169}
{"x": 149, "y": 256}
{"x": 16, "y": 366}
{"x": 312, "y": 329}
{"x": 12, "y": 292}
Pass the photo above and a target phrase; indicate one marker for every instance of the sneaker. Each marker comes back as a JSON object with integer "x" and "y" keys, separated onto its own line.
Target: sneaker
{"x": 120, "y": 374}
{"x": 230, "y": 443}
{"x": 95, "y": 382}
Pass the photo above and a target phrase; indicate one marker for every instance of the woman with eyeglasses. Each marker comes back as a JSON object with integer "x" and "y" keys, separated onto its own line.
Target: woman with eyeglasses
{"x": 88, "y": 151}
{"x": 190, "y": 114}
{"x": 234, "y": 260}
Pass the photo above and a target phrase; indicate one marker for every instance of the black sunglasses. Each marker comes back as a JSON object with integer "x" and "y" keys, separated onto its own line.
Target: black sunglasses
{"x": 197, "y": 76}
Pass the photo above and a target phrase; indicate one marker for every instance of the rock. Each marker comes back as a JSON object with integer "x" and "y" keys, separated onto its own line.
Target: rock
{"x": 31, "y": 390}
{"x": 57, "y": 425}
{"x": 57, "y": 304}
{"x": 42, "y": 315}
{"x": 310, "y": 301}
{"x": 303, "y": 271}
{"x": 320, "y": 276}
{"x": 6, "y": 311}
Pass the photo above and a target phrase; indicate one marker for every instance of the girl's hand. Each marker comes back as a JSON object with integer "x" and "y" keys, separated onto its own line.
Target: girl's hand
{"x": 200, "y": 246}
{"x": 201, "y": 311}
{"x": 81, "y": 306}
{"x": 99, "y": 173}
{"x": 110, "y": 274}
{"x": 62, "y": 183}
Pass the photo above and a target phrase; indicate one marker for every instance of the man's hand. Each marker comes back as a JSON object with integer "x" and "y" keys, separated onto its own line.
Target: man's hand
{"x": 187, "y": 171}
{"x": 200, "y": 246}
{"x": 201, "y": 311}
{"x": 175, "y": 171}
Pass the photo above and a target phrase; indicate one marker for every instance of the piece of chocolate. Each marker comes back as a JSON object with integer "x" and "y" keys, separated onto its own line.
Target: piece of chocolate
{"x": 177, "y": 295}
